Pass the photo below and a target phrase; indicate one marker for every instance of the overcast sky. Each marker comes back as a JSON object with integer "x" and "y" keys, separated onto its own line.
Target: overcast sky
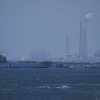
{"x": 32, "y": 25}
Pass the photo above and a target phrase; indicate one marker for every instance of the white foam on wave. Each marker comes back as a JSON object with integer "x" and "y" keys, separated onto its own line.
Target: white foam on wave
{"x": 44, "y": 87}
{"x": 63, "y": 87}
{"x": 58, "y": 87}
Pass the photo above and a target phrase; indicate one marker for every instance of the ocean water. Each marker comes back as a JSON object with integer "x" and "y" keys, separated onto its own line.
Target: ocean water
{"x": 49, "y": 84}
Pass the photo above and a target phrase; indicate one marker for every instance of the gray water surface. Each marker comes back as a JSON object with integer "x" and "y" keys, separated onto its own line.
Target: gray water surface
{"x": 49, "y": 84}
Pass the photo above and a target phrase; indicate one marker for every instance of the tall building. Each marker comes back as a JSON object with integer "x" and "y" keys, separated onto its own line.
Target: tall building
{"x": 83, "y": 41}
{"x": 67, "y": 47}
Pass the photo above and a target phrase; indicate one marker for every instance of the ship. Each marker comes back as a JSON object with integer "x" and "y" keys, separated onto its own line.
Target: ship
{"x": 3, "y": 58}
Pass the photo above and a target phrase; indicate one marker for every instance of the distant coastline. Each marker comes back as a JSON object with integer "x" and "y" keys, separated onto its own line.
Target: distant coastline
{"x": 49, "y": 64}
{"x": 4, "y": 63}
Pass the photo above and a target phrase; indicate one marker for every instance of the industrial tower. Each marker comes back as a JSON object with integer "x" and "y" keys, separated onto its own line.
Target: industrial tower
{"x": 83, "y": 41}
{"x": 67, "y": 46}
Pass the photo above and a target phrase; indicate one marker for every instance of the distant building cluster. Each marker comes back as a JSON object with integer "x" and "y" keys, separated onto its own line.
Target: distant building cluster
{"x": 40, "y": 56}
{"x": 97, "y": 54}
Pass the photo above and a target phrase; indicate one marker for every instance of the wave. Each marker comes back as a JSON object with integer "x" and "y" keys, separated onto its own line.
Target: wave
{"x": 51, "y": 86}
{"x": 44, "y": 87}
{"x": 58, "y": 87}
{"x": 63, "y": 87}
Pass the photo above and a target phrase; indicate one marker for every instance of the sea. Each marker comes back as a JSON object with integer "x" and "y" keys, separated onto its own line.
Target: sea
{"x": 49, "y": 84}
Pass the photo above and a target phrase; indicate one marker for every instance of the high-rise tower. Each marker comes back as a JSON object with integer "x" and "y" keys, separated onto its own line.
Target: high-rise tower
{"x": 83, "y": 40}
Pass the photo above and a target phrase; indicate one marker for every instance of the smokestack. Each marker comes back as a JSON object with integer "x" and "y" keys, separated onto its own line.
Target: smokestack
{"x": 83, "y": 37}
{"x": 67, "y": 46}
{"x": 83, "y": 40}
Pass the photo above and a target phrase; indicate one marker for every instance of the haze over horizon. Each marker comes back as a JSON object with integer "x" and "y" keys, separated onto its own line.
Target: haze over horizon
{"x": 32, "y": 25}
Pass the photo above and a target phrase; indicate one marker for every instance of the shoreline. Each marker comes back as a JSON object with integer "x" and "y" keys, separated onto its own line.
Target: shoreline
{"x": 49, "y": 64}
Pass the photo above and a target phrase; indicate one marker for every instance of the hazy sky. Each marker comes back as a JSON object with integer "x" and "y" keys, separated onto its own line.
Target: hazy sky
{"x": 31, "y": 25}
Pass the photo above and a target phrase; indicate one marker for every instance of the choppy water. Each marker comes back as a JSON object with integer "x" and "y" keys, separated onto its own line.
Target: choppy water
{"x": 49, "y": 84}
